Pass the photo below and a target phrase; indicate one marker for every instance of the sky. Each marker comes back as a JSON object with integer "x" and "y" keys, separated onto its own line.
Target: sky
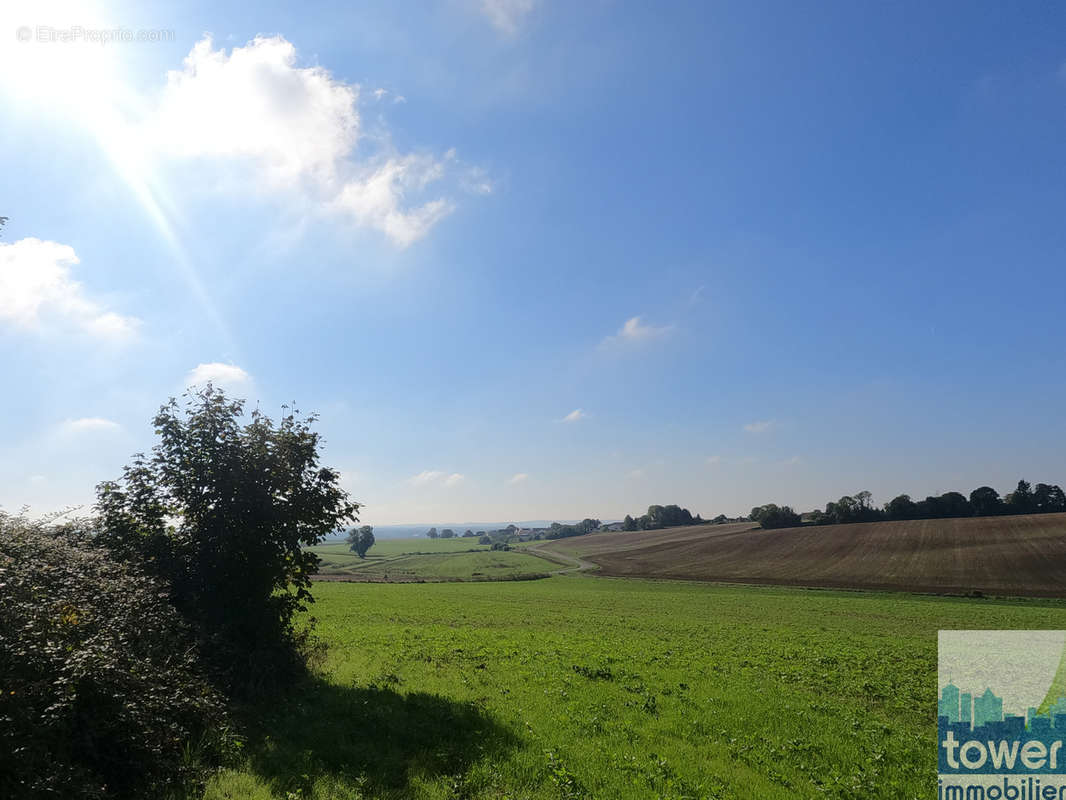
{"x": 530, "y": 259}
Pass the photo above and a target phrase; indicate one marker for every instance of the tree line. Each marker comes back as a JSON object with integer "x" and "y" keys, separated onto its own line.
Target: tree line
{"x": 448, "y": 533}
{"x": 984, "y": 501}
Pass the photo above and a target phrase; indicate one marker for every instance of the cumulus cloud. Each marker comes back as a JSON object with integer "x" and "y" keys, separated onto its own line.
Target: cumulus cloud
{"x": 634, "y": 330}
{"x": 224, "y": 376}
{"x": 454, "y": 479}
{"x": 37, "y": 289}
{"x": 376, "y": 199}
{"x": 518, "y": 477}
{"x": 507, "y": 15}
{"x": 575, "y": 415}
{"x": 761, "y": 426}
{"x": 299, "y": 130}
{"x": 256, "y": 104}
{"x": 89, "y": 425}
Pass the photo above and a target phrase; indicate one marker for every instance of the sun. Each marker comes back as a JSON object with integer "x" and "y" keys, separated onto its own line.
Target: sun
{"x": 55, "y": 58}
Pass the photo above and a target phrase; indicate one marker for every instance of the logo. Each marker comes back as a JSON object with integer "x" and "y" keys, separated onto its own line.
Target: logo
{"x": 1001, "y": 715}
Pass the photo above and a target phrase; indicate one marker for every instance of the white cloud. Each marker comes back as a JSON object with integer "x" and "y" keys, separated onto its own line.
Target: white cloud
{"x": 426, "y": 476}
{"x": 223, "y": 376}
{"x": 436, "y": 477}
{"x": 575, "y": 415}
{"x": 762, "y": 426}
{"x": 518, "y": 477}
{"x": 696, "y": 296}
{"x": 507, "y": 15}
{"x": 636, "y": 331}
{"x": 636, "y": 473}
{"x": 298, "y": 129}
{"x": 36, "y": 288}
{"x": 256, "y": 104}
{"x": 89, "y": 425}
{"x": 376, "y": 199}
{"x": 714, "y": 459}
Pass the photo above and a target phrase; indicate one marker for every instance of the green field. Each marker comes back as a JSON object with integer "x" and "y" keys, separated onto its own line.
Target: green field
{"x": 576, "y": 687}
{"x": 429, "y": 559}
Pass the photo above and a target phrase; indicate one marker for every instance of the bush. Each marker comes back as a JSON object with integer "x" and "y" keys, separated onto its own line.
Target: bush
{"x": 101, "y": 695}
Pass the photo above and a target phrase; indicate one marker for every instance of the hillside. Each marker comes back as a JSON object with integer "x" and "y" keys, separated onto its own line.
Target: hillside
{"x": 1019, "y": 555}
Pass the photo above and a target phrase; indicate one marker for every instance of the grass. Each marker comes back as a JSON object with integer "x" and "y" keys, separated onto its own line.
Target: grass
{"x": 395, "y": 547}
{"x": 431, "y": 560}
{"x": 577, "y": 687}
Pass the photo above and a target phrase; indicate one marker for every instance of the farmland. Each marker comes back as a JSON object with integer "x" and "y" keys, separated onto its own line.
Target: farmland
{"x": 574, "y": 687}
{"x": 1015, "y": 555}
{"x": 398, "y": 560}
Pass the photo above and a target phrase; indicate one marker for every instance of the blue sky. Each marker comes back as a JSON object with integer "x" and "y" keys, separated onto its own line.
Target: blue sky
{"x": 532, "y": 259}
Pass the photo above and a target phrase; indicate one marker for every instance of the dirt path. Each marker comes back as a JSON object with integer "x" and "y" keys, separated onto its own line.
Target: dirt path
{"x": 574, "y": 564}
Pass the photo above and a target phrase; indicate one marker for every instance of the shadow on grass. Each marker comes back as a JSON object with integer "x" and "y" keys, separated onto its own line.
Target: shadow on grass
{"x": 374, "y": 738}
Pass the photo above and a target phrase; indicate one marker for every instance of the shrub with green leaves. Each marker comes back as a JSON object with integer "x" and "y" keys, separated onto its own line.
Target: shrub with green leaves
{"x": 101, "y": 692}
{"x": 222, "y": 511}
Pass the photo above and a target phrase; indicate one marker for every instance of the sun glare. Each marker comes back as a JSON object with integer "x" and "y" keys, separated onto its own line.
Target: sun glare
{"x": 66, "y": 60}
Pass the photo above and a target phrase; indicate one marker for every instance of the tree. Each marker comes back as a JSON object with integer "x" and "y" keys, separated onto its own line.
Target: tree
{"x": 432, "y": 533}
{"x": 985, "y": 501}
{"x": 468, "y": 533}
{"x": 901, "y": 507}
{"x": 847, "y": 509}
{"x": 655, "y": 517}
{"x": 361, "y": 540}
{"x": 954, "y": 504}
{"x": 773, "y": 516}
{"x": 223, "y": 512}
{"x": 485, "y": 540}
{"x": 629, "y": 524}
{"x": 1048, "y": 499}
{"x": 1020, "y": 501}
{"x": 447, "y": 533}
{"x": 830, "y": 517}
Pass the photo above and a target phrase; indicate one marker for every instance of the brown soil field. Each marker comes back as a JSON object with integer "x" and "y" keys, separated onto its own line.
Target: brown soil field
{"x": 1023, "y": 555}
